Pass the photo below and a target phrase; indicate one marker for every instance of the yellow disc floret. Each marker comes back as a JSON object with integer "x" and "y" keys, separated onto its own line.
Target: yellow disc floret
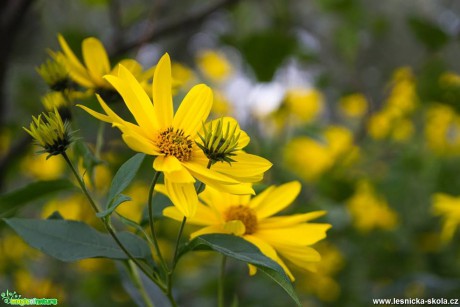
{"x": 175, "y": 143}
{"x": 244, "y": 214}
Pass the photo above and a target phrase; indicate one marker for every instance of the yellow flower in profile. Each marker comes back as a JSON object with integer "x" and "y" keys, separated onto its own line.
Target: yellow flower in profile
{"x": 214, "y": 65}
{"x": 51, "y": 133}
{"x": 447, "y": 207}
{"x": 167, "y": 136}
{"x": 96, "y": 64}
{"x": 369, "y": 210}
{"x": 353, "y": 105}
{"x": 277, "y": 237}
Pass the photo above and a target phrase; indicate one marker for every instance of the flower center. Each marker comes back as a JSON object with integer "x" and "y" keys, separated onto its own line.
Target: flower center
{"x": 244, "y": 214}
{"x": 175, "y": 143}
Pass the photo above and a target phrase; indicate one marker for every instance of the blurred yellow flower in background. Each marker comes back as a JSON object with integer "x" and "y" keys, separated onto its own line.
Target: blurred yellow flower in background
{"x": 442, "y": 130}
{"x": 252, "y": 219}
{"x": 309, "y": 158}
{"x": 393, "y": 119}
{"x": 448, "y": 208}
{"x": 214, "y": 65}
{"x": 353, "y": 105}
{"x": 304, "y": 104}
{"x": 321, "y": 282}
{"x": 370, "y": 210}
{"x": 138, "y": 191}
{"x": 32, "y": 165}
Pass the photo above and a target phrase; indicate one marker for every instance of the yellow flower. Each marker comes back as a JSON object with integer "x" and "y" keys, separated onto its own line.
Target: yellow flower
{"x": 370, "y": 211}
{"x": 304, "y": 104}
{"x": 448, "y": 207}
{"x": 442, "y": 130}
{"x": 288, "y": 237}
{"x": 214, "y": 65}
{"x": 353, "y": 105}
{"x": 32, "y": 165}
{"x": 51, "y": 133}
{"x": 168, "y": 137}
{"x": 54, "y": 72}
{"x": 321, "y": 282}
{"x": 309, "y": 158}
{"x": 96, "y": 64}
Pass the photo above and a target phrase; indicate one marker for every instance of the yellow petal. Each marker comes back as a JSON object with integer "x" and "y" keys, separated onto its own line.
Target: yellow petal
{"x": 132, "y": 65}
{"x": 161, "y": 92}
{"x": 76, "y": 69}
{"x": 203, "y": 217}
{"x": 291, "y": 220}
{"x": 194, "y": 110}
{"x": 96, "y": 59}
{"x": 247, "y": 168}
{"x": 235, "y": 227}
{"x": 207, "y": 230}
{"x": 98, "y": 115}
{"x": 140, "y": 144}
{"x": 280, "y": 197}
{"x": 208, "y": 175}
{"x": 220, "y": 202}
{"x": 270, "y": 252}
{"x": 299, "y": 235}
{"x": 172, "y": 169}
{"x": 135, "y": 98}
{"x": 183, "y": 196}
{"x": 300, "y": 256}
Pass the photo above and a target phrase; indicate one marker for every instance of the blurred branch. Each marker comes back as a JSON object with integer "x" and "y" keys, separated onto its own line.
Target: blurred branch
{"x": 163, "y": 28}
{"x": 12, "y": 15}
{"x": 115, "y": 21}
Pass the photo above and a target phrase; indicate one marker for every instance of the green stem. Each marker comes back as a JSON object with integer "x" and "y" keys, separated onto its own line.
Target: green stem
{"x": 108, "y": 227}
{"x": 174, "y": 262}
{"x": 179, "y": 235}
{"x": 152, "y": 222}
{"x": 200, "y": 187}
{"x": 139, "y": 284}
{"x": 220, "y": 289}
{"x": 99, "y": 140}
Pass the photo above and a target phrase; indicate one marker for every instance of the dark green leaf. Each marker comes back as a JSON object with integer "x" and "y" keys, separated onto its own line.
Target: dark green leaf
{"x": 428, "y": 33}
{"x": 71, "y": 240}
{"x": 240, "y": 249}
{"x": 29, "y": 193}
{"x": 124, "y": 176}
{"x": 119, "y": 199}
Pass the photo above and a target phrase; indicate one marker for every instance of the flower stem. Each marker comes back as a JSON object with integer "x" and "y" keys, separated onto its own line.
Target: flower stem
{"x": 108, "y": 227}
{"x": 220, "y": 289}
{"x": 152, "y": 222}
{"x": 139, "y": 285}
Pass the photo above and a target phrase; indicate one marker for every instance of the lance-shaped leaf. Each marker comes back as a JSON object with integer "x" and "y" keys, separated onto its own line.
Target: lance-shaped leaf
{"x": 68, "y": 240}
{"x": 240, "y": 249}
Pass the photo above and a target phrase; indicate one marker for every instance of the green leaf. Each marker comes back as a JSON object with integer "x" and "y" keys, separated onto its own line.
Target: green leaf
{"x": 14, "y": 200}
{"x": 428, "y": 33}
{"x": 68, "y": 240}
{"x": 119, "y": 199}
{"x": 124, "y": 176}
{"x": 240, "y": 249}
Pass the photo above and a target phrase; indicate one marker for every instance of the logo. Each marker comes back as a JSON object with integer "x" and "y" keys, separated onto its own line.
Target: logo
{"x": 13, "y": 298}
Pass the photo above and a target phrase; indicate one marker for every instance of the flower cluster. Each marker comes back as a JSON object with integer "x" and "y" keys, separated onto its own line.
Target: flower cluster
{"x": 207, "y": 174}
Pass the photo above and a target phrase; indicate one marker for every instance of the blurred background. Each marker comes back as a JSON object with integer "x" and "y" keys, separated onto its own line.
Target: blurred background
{"x": 359, "y": 100}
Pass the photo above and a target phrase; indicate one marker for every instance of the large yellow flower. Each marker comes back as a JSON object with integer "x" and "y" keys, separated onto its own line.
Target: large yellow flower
{"x": 252, "y": 219}
{"x": 169, "y": 137}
